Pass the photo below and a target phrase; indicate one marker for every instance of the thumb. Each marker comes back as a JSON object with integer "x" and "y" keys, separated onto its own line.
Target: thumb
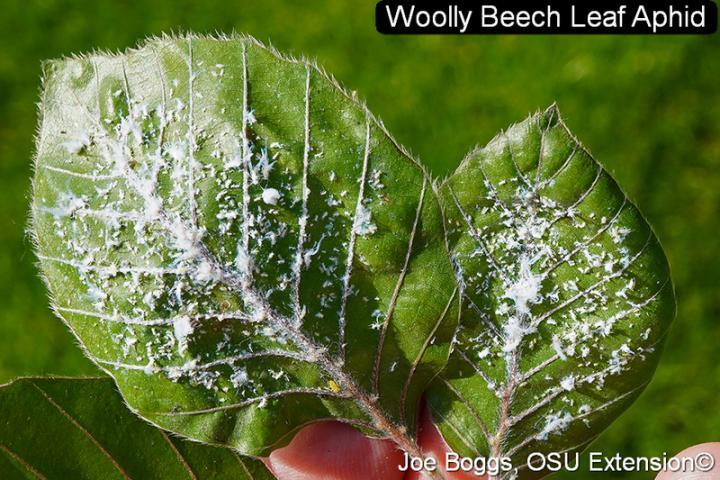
{"x": 335, "y": 451}
{"x": 694, "y": 457}
{"x": 433, "y": 445}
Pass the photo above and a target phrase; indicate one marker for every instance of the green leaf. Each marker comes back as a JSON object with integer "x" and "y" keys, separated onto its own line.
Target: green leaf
{"x": 240, "y": 243}
{"x": 566, "y": 297}
{"x": 59, "y": 428}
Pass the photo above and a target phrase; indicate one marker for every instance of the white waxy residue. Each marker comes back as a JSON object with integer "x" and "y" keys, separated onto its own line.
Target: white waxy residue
{"x": 182, "y": 328}
{"x": 363, "y": 222}
{"x": 270, "y": 196}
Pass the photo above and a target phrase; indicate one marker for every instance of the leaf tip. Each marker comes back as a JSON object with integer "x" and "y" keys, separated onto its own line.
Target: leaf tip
{"x": 550, "y": 117}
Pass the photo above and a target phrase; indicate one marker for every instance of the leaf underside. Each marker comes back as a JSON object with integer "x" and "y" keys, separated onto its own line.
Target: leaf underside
{"x": 239, "y": 243}
{"x": 566, "y": 298}
{"x": 61, "y": 428}
{"x": 245, "y": 249}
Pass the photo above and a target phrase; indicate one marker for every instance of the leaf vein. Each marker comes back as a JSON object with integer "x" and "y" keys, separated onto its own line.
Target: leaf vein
{"x": 396, "y": 291}
{"x": 15, "y": 456}
{"x": 179, "y": 455}
{"x": 351, "y": 245}
{"x": 269, "y": 396}
{"x": 85, "y": 432}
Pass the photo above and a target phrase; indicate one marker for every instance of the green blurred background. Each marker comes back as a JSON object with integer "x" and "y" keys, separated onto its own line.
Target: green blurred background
{"x": 648, "y": 108}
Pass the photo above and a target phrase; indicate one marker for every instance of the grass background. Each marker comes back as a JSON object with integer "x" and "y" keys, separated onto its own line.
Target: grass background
{"x": 647, "y": 107}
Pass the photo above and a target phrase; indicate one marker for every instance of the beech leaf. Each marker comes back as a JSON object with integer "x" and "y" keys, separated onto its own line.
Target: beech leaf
{"x": 566, "y": 298}
{"x": 240, "y": 243}
{"x": 60, "y": 428}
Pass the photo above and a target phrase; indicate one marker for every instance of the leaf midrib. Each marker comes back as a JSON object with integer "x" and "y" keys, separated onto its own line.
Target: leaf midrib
{"x": 514, "y": 379}
{"x": 242, "y": 284}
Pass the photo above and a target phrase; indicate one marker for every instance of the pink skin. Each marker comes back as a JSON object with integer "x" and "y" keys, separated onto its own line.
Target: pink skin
{"x": 433, "y": 445}
{"x": 707, "y": 448}
{"x": 335, "y": 451}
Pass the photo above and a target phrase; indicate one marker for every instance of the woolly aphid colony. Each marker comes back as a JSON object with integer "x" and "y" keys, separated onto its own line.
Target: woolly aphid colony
{"x": 237, "y": 230}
